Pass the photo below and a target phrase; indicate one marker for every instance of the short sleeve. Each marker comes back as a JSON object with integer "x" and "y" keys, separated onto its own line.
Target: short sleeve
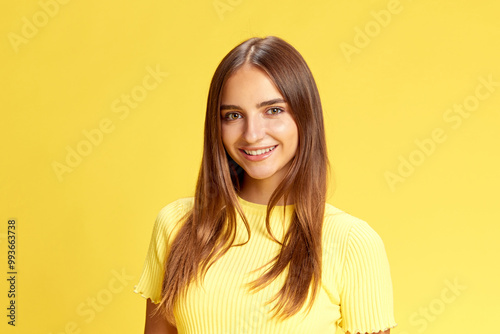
{"x": 366, "y": 287}
{"x": 151, "y": 279}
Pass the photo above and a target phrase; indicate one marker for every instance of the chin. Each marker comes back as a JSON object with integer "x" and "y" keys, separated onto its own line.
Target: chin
{"x": 260, "y": 175}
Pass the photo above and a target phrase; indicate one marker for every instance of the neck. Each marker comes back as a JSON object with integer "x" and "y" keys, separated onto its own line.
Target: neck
{"x": 260, "y": 191}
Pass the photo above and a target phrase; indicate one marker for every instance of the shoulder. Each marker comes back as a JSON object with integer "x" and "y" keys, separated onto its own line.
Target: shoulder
{"x": 171, "y": 215}
{"x": 179, "y": 206}
{"x": 347, "y": 231}
{"x": 352, "y": 246}
{"x": 336, "y": 218}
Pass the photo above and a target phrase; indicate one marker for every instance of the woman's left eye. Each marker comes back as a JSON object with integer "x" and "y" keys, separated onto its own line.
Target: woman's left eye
{"x": 274, "y": 111}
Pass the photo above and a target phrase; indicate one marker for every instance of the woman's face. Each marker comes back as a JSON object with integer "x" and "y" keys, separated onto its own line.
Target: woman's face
{"x": 258, "y": 130}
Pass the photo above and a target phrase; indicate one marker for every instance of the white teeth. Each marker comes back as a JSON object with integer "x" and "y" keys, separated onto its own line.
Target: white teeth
{"x": 259, "y": 152}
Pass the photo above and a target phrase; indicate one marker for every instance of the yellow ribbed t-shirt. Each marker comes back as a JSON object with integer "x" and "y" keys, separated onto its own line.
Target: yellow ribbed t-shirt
{"x": 355, "y": 295}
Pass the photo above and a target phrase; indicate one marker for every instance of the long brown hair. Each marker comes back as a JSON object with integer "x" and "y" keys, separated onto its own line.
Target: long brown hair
{"x": 209, "y": 229}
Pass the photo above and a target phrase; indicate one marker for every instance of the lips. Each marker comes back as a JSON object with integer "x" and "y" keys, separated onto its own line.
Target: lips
{"x": 258, "y": 154}
{"x": 261, "y": 151}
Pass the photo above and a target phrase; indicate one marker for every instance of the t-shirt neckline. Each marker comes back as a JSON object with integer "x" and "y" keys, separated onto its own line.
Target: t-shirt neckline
{"x": 263, "y": 207}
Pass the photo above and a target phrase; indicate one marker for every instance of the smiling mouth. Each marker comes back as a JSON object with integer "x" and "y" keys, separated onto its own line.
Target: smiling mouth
{"x": 259, "y": 152}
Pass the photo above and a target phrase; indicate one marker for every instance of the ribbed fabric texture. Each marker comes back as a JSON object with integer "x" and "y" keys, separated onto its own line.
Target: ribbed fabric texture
{"x": 356, "y": 291}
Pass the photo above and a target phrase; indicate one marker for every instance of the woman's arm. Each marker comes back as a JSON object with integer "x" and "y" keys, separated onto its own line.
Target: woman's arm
{"x": 156, "y": 324}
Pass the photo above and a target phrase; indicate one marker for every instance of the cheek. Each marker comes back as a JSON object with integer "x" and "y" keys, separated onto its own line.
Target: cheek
{"x": 294, "y": 140}
{"x": 288, "y": 133}
{"x": 227, "y": 134}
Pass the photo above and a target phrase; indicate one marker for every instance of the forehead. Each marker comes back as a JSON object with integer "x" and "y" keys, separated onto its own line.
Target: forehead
{"x": 249, "y": 84}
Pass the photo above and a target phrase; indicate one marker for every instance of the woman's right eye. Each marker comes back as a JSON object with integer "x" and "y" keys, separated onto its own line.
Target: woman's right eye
{"x": 231, "y": 116}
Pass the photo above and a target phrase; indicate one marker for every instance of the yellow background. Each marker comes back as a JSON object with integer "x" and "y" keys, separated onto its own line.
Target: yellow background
{"x": 78, "y": 232}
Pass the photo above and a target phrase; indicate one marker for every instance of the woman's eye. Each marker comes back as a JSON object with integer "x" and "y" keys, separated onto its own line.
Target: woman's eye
{"x": 274, "y": 111}
{"x": 231, "y": 116}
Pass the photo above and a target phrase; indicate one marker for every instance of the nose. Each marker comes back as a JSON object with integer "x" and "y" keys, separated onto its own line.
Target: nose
{"x": 255, "y": 129}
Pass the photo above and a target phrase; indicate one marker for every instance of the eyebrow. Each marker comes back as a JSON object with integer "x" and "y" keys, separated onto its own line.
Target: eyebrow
{"x": 259, "y": 105}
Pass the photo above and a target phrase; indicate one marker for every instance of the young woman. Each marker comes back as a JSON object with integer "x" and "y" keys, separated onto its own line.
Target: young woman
{"x": 257, "y": 249}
